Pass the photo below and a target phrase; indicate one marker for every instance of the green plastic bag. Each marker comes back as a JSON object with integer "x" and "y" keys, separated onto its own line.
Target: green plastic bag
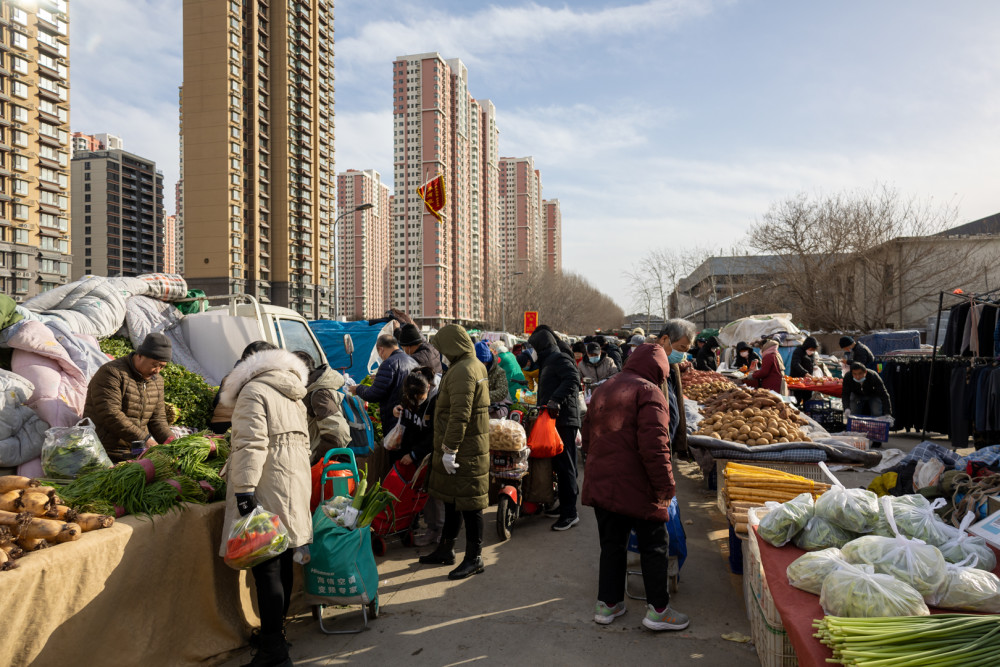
{"x": 341, "y": 564}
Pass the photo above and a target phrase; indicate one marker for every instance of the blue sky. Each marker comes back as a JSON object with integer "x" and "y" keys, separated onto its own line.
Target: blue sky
{"x": 658, "y": 123}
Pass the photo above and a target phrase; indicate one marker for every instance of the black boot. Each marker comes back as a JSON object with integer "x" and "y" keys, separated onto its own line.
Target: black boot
{"x": 470, "y": 565}
{"x": 271, "y": 652}
{"x": 443, "y": 555}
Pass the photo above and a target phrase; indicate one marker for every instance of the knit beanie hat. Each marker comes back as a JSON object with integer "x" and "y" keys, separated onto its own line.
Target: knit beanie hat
{"x": 409, "y": 335}
{"x": 156, "y": 346}
{"x": 845, "y": 341}
{"x": 483, "y": 352}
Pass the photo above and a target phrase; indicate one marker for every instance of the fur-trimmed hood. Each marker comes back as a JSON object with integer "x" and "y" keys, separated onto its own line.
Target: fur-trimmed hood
{"x": 280, "y": 369}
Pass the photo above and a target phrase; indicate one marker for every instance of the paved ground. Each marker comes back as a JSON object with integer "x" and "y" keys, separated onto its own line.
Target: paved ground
{"x": 535, "y": 603}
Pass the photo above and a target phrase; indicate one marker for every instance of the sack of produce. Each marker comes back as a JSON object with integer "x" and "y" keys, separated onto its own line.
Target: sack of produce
{"x": 968, "y": 588}
{"x": 255, "y": 538}
{"x": 855, "y": 510}
{"x": 859, "y": 592}
{"x": 960, "y": 545}
{"x": 785, "y": 520}
{"x": 71, "y": 451}
{"x": 809, "y": 571}
{"x": 821, "y": 534}
{"x": 911, "y": 561}
{"x": 916, "y": 517}
{"x": 507, "y": 436}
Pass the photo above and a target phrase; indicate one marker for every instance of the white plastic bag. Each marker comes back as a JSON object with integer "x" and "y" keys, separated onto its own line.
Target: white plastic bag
{"x": 394, "y": 438}
{"x": 857, "y": 591}
{"x": 341, "y": 512}
{"x": 785, "y": 520}
{"x": 70, "y": 451}
{"x": 255, "y": 538}
{"x": 809, "y": 571}
{"x": 968, "y": 588}
{"x": 855, "y": 510}
{"x": 916, "y": 517}
{"x": 960, "y": 545}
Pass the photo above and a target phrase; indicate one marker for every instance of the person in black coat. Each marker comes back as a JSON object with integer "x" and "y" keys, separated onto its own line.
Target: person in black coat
{"x": 610, "y": 348}
{"x": 387, "y": 387}
{"x": 865, "y": 395}
{"x": 559, "y": 394}
{"x": 855, "y": 351}
{"x": 803, "y": 363}
{"x": 745, "y": 355}
{"x": 706, "y": 359}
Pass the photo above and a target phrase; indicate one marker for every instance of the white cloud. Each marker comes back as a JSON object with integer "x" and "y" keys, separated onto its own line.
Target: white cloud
{"x": 364, "y": 141}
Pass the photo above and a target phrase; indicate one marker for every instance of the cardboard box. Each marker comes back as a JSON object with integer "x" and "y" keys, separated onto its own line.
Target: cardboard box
{"x": 988, "y": 529}
{"x": 992, "y": 504}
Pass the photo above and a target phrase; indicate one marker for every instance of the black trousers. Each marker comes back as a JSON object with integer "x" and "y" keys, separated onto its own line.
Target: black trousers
{"x": 473, "y": 520}
{"x": 564, "y": 465}
{"x": 614, "y": 531}
{"x": 273, "y": 579}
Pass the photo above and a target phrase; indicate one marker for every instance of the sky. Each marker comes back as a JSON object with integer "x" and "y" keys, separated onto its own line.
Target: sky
{"x": 656, "y": 123}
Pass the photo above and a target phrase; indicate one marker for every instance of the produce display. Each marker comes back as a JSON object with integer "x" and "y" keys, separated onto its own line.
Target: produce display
{"x": 856, "y": 510}
{"x": 361, "y": 509}
{"x": 255, "y": 538}
{"x": 809, "y": 571}
{"x": 819, "y": 533}
{"x": 808, "y": 381}
{"x": 915, "y": 517}
{"x": 961, "y": 545}
{"x": 706, "y": 390}
{"x": 32, "y": 517}
{"x": 919, "y": 565}
{"x": 785, "y": 520}
{"x": 918, "y": 641}
{"x": 507, "y": 436}
{"x": 860, "y": 592}
{"x": 747, "y": 486}
{"x": 753, "y": 417}
{"x": 968, "y": 588}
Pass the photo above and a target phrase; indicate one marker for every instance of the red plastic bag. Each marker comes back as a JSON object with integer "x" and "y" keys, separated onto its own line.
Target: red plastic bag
{"x": 544, "y": 440}
{"x": 317, "y": 475}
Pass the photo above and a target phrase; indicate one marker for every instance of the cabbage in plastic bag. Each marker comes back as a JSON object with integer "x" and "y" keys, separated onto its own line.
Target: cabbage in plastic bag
{"x": 858, "y": 592}
{"x": 785, "y": 520}
{"x": 855, "y": 510}
{"x": 968, "y": 588}
{"x": 915, "y": 517}
{"x": 960, "y": 545}
{"x": 821, "y": 534}
{"x": 808, "y": 571}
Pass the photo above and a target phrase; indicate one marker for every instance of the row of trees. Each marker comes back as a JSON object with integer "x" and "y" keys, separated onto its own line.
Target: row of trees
{"x": 860, "y": 260}
{"x": 565, "y": 301}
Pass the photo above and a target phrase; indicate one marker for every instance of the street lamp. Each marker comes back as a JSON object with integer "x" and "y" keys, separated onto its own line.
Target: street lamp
{"x": 503, "y": 299}
{"x": 336, "y": 253}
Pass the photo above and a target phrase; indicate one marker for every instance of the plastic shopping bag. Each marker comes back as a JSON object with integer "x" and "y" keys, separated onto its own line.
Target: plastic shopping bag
{"x": 810, "y": 570}
{"x": 969, "y": 588}
{"x": 70, "y": 451}
{"x": 255, "y": 538}
{"x": 857, "y": 591}
{"x": 544, "y": 440}
{"x": 785, "y": 520}
{"x": 855, "y": 510}
{"x": 394, "y": 438}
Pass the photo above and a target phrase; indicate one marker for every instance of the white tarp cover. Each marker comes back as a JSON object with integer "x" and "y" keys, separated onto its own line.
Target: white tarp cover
{"x": 756, "y": 327}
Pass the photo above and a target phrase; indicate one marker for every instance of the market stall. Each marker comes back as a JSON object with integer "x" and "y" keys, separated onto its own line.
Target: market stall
{"x": 142, "y": 588}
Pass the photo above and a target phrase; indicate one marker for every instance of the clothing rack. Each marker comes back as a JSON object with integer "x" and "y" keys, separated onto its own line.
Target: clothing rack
{"x": 974, "y": 299}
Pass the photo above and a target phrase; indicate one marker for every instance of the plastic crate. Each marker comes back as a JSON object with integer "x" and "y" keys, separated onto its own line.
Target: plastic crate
{"x": 808, "y": 470}
{"x": 856, "y": 440}
{"x": 876, "y": 428}
{"x": 773, "y": 646}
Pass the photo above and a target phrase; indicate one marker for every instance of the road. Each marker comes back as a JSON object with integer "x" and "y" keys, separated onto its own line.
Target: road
{"x": 535, "y": 602}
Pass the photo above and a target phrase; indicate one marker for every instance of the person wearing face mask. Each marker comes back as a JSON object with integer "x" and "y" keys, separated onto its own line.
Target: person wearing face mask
{"x": 745, "y": 355}
{"x": 803, "y": 363}
{"x": 771, "y": 374}
{"x": 387, "y": 387}
{"x": 706, "y": 359}
{"x": 675, "y": 338}
{"x": 596, "y": 365}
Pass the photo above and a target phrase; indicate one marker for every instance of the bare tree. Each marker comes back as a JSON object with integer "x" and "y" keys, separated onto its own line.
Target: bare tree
{"x": 565, "y": 301}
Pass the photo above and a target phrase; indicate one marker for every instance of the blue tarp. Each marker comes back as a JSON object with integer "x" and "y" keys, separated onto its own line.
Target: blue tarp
{"x": 330, "y": 335}
{"x": 883, "y": 342}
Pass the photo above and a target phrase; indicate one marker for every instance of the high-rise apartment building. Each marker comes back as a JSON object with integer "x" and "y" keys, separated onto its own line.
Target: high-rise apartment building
{"x": 488, "y": 206}
{"x": 96, "y": 142}
{"x": 117, "y": 214}
{"x": 440, "y": 268}
{"x": 34, "y": 147}
{"x": 364, "y": 247}
{"x": 521, "y": 216}
{"x": 169, "y": 244}
{"x": 552, "y": 216}
{"x": 179, "y": 189}
{"x": 259, "y": 180}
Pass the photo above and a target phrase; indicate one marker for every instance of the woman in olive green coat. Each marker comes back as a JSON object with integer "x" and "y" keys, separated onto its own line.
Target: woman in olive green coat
{"x": 460, "y": 468}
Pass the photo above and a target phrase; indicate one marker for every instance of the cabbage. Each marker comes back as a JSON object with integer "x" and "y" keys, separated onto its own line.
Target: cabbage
{"x": 784, "y": 521}
{"x": 920, "y": 565}
{"x": 858, "y": 592}
{"x": 969, "y": 589}
{"x": 821, "y": 534}
{"x": 855, "y": 510}
{"x": 808, "y": 571}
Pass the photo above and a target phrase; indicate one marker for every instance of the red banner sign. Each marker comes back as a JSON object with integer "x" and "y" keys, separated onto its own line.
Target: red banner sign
{"x": 530, "y": 321}
{"x": 432, "y": 192}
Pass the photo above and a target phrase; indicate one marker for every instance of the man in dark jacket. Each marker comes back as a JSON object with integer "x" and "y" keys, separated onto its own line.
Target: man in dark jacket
{"x": 387, "y": 387}
{"x": 414, "y": 345}
{"x": 706, "y": 359}
{"x": 855, "y": 351}
{"x": 864, "y": 394}
{"x": 559, "y": 394}
{"x": 803, "y": 363}
{"x": 125, "y": 399}
{"x": 630, "y": 484}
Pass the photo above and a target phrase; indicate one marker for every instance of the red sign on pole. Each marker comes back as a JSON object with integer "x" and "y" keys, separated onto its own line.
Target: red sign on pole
{"x": 530, "y": 321}
{"x": 432, "y": 192}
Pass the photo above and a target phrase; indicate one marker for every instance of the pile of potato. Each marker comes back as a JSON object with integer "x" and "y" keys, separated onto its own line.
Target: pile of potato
{"x": 755, "y": 417}
{"x": 703, "y": 392}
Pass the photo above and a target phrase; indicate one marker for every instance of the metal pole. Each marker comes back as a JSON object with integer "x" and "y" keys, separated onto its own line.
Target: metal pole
{"x": 930, "y": 378}
{"x": 503, "y": 305}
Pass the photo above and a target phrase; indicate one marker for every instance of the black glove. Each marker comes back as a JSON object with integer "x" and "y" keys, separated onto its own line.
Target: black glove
{"x": 246, "y": 502}
{"x": 553, "y": 409}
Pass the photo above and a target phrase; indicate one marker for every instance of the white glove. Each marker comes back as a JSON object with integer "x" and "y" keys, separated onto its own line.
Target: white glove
{"x": 448, "y": 461}
{"x": 847, "y": 414}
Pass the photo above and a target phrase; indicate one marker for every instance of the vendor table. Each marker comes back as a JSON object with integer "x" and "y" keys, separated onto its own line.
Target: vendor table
{"x": 143, "y": 592}
{"x": 798, "y": 608}
{"x": 835, "y": 389}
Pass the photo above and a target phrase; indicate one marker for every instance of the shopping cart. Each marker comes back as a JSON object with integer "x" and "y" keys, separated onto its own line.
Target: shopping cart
{"x": 409, "y": 485}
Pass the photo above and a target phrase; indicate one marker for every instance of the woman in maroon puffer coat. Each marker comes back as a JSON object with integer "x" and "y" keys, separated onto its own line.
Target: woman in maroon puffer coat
{"x": 629, "y": 483}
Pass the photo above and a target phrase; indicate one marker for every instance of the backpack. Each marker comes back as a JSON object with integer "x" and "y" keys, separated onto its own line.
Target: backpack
{"x": 362, "y": 431}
